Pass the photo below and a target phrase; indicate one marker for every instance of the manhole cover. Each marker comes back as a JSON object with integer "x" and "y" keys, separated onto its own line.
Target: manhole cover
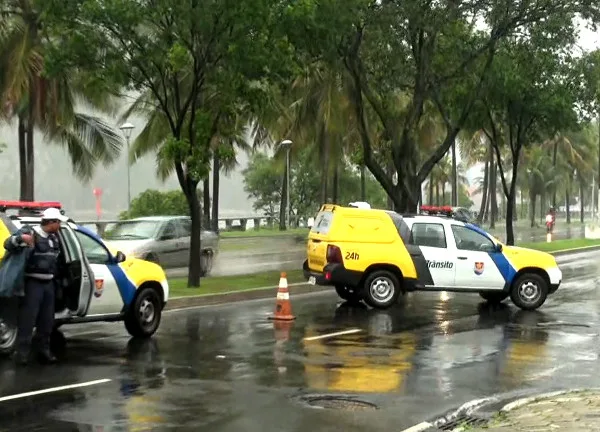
{"x": 338, "y": 402}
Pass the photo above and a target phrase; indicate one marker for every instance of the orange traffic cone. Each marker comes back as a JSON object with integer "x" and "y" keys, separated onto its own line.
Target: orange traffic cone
{"x": 283, "y": 307}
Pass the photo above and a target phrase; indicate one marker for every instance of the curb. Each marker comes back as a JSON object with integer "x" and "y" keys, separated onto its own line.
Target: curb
{"x": 238, "y": 296}
{"x": 486, "y": 408}
{"x": 574, "y": 250}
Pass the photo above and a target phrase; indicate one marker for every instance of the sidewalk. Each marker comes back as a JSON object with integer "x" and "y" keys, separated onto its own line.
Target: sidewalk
{"x": 569, "y": 412}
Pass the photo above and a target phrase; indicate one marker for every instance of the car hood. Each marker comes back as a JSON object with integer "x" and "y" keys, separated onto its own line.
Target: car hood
{"x": 525, "y": 257}
{"x": 127, "y": 246}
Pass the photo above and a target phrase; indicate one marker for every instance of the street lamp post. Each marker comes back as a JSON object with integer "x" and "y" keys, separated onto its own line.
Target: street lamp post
{"x": 127, "y": 128}
{"x": 288, "y": 145}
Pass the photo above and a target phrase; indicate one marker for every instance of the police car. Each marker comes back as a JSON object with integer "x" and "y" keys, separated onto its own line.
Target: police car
{"x": 102, "y": 285}
{"x": 375, "y": 255}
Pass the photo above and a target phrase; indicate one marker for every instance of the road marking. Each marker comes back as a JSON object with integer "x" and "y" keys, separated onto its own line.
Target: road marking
{"x": 54, "y": 389}
{"x": 328, "y": 335}
{"x": 418, "y": 428}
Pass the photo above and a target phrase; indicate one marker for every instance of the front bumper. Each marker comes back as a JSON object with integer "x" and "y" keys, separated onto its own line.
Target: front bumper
{"x": 333, "y": 274}
{"x": 555, "y": 277}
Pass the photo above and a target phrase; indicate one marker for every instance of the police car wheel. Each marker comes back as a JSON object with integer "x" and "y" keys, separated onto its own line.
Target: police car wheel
{"x": 381, "y": 289}
{"x": 8, "y": 337}
{"x": 493, "y": 297}
{"x": 145, "y": 313}
{"x": 348, "y": 294}
{"x": 529, "y": 291}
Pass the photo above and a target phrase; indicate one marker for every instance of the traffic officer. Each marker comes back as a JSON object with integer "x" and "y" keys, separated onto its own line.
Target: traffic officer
{"x": 36, "y": 308}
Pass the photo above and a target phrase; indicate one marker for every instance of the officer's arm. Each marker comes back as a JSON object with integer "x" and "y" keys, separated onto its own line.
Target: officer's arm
{"x": 15, "y": 241}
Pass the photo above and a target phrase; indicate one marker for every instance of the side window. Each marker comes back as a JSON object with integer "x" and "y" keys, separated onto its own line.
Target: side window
{"x": 185, "y": 227}
{"x": 70, "y": 248}
{"x": 95, "y": 252}
{"x": 168, "y": 231}
{"x": 428, "y": 234}
{"x": 468, "y": 239}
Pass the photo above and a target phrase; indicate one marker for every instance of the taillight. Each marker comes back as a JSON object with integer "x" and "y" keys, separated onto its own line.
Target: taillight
{"x": 334, "y": 254}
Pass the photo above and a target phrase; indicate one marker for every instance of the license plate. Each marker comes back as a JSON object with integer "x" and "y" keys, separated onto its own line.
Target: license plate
{"x": 312, "y": 280}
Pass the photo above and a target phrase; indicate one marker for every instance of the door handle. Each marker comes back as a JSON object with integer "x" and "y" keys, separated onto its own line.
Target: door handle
{"x": 462, "y": 258}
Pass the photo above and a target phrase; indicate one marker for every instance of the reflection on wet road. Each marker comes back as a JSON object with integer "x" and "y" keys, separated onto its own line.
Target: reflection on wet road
{"x": 228, "y": 369}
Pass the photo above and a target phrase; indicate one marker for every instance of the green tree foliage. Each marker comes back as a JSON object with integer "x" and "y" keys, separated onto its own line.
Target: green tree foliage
{"x": 152, "y": 202}
{"x": 263, "y": 180}
{"x": 404, "y": 56}
{"x": 48, "y": 96}
{"x": 196, "y": 61}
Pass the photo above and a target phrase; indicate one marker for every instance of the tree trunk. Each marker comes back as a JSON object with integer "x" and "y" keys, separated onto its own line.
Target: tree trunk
{"x": 454, "y": 175}
{"x": 325, "y": 165}
{"x": 532, "y": 200}
{"x": 430, "y": 200}
{"x": 195, "y": 212}
{"x": 437, "y": 194}
{"x": 522, "y": 205}
{"x": 206, "y": 199}
{"x": 22, "y": 160}
{"x": 581, "y": 202}
{"x": 215, "y": 194}
{"x": 30, "y": 157}
{"x": 568, "y": 202}
{"x": 542, "y": 205}
{"x": 443, "y": 193}
{"x": 555, "y": 186}
{"x": 493, "y": 193}
{"x": 363, "y": 184}
{"x": 484, "y": 192}
{"x": 283, "y": 206}
{"x": 336, "y": 181}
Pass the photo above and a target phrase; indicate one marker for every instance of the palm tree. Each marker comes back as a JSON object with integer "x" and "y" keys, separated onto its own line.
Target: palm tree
{"x": 48, "y": 103}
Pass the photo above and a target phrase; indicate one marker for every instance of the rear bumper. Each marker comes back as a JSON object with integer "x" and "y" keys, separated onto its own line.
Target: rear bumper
{"x": 333, "y": 274}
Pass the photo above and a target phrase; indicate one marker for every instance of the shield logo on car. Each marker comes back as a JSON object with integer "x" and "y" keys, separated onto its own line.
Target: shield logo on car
{"x": 478, "y": 268}
{"x": 99, "y": 287}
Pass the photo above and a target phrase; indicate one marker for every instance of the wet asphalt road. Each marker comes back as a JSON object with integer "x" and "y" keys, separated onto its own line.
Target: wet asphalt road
{"x": 247, "y": 255}
{"x": 227, "y": 369}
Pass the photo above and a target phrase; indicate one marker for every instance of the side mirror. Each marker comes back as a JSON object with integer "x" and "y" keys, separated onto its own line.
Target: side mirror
{"x": 120, "y": 257}
{"x": 167, "y": 237}
{"x": 499, "y": 247}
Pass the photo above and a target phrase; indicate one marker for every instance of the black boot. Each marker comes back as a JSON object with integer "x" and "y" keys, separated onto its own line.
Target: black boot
{"x": 21, "y": 358}
{"x": 46, "y": 356}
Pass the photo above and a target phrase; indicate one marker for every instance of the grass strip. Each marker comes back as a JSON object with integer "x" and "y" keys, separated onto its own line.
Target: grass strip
{"x": 560, "y": 245}
{"x": 220, "y": 284}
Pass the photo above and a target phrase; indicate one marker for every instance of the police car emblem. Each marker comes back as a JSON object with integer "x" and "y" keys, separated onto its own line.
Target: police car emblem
{"x": 478, "y": 268}
{"x": 99, "y": 287}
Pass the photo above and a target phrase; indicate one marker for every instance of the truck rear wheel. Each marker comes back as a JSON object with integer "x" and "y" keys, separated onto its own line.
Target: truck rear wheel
{"x": 529, "y": 291}
{"x": 381, "y": 289}
{"x": 144, "y": 314}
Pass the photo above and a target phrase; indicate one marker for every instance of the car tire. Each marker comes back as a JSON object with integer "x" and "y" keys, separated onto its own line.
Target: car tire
{"x": 206, "y": 263}
{"x": 381, "y": 289}
{"x": 152, "y": 258}
{"x": 529, "y": 291}
{"x": 8, "y": 337}
{"x": 144, "y": 315}
{"x": 348, "y": 294}
{"x": 493, "y": 297}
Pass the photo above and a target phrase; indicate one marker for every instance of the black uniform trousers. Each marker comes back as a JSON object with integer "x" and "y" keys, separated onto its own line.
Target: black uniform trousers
{"x": 36, "y": 310}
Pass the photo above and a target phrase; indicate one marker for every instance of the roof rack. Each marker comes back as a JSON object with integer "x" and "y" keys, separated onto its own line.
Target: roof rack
{"x": 444, "y": 211}
{"x": 29, "y": 208}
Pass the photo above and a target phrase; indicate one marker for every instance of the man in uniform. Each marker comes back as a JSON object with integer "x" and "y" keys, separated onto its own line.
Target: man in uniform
{"x": 36, "y": 308}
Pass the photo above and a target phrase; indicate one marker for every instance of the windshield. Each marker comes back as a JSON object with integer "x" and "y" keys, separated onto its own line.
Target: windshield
{"x": 132, "y": 230}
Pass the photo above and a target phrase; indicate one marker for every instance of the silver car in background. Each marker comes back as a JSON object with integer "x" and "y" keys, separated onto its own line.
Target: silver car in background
{"x": 164, "y": 240}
